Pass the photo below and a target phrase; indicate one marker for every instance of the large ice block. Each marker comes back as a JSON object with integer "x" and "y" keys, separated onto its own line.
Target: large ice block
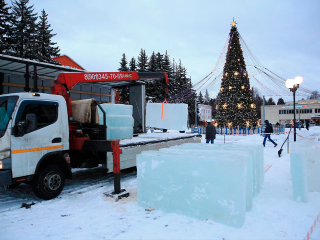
{"x": 312, "y": 165}
{"x": 313, "y": 169}
{"x": 119, "y": 120}
{"x": 299, "y": 174}
{"x": 204, "y": 186}
{"x": 252, "y": 153}
{"x": 174, "y": 116}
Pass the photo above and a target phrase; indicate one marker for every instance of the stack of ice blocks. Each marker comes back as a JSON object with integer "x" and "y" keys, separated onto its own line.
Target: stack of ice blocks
{"x": 204, "y": 181}
{"x": 168, "y": 116}
{"x": 119, "y": 120}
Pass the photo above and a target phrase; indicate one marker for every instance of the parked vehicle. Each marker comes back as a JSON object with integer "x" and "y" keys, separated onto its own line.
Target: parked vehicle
{"x": 288, "y": 125}
{"x": 40, "y": 141}
{"x": 312, "y": 124}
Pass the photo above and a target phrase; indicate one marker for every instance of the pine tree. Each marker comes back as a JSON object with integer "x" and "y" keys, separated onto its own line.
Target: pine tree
{"x": 280, "y": 101}
{"x": 23, "y": 32}
{"x": 235, "y": 101}
{"x": 314, "y": 95}
{"x": 123, "y": 64}
{"x": 132, "y": 65}
{"x": 150, "y": 85}
{"x": 207, "y": 98}
{"x": 46, "y": 47}
{"x": 159, "y": 62}
{"x": 5, "y": 18}
{"x": 142, "y": 61}
{"x": 167, "y": 67}
{"x": 124, "y": 91}
{"x": 258, "y": 102}
{"x": 270, "y": 102}
{"x": 200, "y": 98}
{"x": 173, "y": 82}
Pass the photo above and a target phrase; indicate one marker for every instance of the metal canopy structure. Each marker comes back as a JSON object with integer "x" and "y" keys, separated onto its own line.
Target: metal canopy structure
{"x": 26, "y": 67}
{"x": 20, "y": 66}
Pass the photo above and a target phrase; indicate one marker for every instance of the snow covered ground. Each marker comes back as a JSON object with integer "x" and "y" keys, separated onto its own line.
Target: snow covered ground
{"x": 83, "y": 212}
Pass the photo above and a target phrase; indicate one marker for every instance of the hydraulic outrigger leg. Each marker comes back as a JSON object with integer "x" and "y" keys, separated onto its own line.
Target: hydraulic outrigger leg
{"x": 118, "y": 193}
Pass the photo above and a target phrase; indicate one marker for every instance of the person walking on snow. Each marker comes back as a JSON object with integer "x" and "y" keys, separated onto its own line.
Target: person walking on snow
{"x": 210, "y": 132}
{"x": 268, "y": 130}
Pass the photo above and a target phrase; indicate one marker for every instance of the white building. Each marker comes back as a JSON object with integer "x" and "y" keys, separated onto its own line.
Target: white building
{"x": 306, "y": 110}
{"x": 205, "y": 112}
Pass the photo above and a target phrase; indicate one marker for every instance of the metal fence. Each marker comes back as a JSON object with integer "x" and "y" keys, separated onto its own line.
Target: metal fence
{"x": 239, "y": 130}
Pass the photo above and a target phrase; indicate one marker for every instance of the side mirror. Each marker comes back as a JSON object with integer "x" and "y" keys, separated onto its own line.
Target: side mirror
{"x": 23, "y": 127}
{"x": 20, "y": 128}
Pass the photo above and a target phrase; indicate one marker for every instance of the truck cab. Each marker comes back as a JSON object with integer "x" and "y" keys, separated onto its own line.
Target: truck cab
{"x": 34, "y": 140}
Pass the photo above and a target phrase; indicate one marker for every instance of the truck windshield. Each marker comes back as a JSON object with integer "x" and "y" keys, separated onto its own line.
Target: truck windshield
{"x": 6, "y": 108}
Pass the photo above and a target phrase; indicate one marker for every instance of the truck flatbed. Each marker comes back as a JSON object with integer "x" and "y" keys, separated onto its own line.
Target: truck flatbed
{"x": 148, "y": 141}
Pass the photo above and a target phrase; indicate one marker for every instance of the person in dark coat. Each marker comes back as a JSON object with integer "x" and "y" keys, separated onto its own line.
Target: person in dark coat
{"x": 307, "y": 125}
{"x": 210, "y": 132}
{"x": 268, "y": 130}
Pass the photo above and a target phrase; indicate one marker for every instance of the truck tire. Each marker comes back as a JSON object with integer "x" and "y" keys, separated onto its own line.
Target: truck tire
{"x": 49, "y": 182}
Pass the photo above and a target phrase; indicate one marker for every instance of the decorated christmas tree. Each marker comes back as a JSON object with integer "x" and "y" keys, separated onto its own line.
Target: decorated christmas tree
{"x": 235, "y": 103}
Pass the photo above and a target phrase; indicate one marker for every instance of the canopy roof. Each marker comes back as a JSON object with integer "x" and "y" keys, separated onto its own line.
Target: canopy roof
{"x": 16, "y": 65}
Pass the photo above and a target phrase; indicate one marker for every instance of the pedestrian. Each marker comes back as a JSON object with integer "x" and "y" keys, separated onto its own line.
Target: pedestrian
{"x": 268, "y": 130}
{"x": 307, "y": 125}
{"x": 210, "y": 132}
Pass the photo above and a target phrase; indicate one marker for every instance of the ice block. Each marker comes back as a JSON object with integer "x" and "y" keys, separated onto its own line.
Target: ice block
{"x": 204, "y": 186}
{"x": 299, "y": 174}
{"x": 172, "y": 116}
{"x": 119, "y": 120}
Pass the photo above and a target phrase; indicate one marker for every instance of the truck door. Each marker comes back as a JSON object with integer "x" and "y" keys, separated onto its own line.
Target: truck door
{"x": 46, "y": 137}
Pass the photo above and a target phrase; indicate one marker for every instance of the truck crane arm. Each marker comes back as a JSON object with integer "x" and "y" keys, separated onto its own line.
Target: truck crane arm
{"x": 66, "y": 81}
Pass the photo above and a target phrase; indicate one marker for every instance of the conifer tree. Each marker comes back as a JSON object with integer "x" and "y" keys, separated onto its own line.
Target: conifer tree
{"x": 235, "y": 106}
{"x": 159, "y": 62}
{"x": 142, "y": 61}
{"x": 123, "y": 64}
{"x": 46, "y": 48}
{"x": 280, "y": 101}
{"x": 132, "y": 65}
{"x": 167, "y": 67}
{"x": 5, "y": 18}
{"x": 258, "y": 102}
{"x": 124, "y": 91}
{"x": 207, "y": 98}
{"x": 270, "y": 102}
{"x": 173, "y": 82}
{"x": 23, "y": 30}
{"x": 157, "y": 87}
{"x": 151, "y": 85}
{"x": 200, "y": 98}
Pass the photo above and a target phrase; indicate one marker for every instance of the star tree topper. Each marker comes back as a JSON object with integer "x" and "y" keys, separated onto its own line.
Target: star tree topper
{"x": 233, "y": 23}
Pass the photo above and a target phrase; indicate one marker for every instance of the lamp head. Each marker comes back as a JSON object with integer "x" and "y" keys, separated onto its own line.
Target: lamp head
{"x": 298, "y": 80}
{"x": 289, "y": 83}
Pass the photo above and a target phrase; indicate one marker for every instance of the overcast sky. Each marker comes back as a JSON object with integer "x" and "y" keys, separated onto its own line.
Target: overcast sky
{"x": 284, "y": 35}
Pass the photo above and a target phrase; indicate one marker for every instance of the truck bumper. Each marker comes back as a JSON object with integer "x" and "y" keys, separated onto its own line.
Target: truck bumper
{"x": 5, "y": 178}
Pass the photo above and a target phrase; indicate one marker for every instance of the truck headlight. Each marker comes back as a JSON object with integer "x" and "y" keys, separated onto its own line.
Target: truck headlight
{"x": 5, "y": 154}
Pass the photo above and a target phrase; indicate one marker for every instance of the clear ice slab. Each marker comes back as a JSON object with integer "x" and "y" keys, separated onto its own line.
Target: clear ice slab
{"x": 204, "y": 186}
{"x": 174, "y": 116}
{"x": 119, "y": 120}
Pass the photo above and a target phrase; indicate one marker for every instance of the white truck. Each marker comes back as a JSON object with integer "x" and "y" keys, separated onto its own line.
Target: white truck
{"x": 40, "y": 141}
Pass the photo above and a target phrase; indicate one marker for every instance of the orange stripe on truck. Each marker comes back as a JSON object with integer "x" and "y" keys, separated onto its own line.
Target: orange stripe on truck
{"x": 36, "y": 149}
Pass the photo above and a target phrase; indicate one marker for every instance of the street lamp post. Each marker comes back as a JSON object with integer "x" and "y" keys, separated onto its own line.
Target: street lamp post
{"x": 293, "y": 85}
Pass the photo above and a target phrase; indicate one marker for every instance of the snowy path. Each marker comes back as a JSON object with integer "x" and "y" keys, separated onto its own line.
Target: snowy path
{"x": 83, "y": 212}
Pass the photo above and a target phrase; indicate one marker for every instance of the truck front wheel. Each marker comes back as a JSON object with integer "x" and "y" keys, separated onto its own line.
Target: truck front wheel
{"x": 49, "y": 182}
